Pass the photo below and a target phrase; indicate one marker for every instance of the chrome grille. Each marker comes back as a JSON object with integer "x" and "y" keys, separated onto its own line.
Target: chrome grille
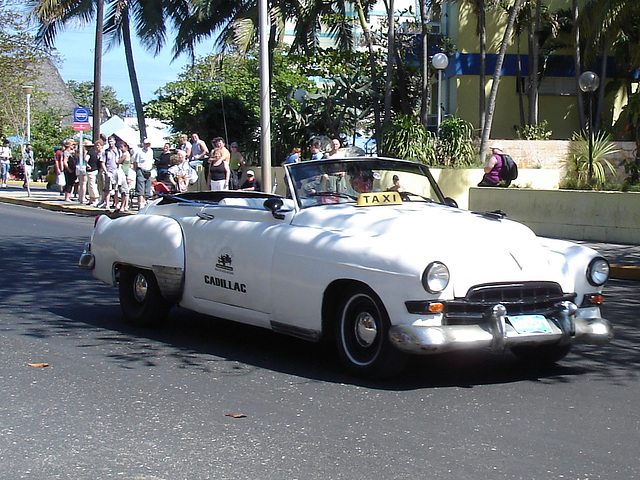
{"x": 519, "y": 299}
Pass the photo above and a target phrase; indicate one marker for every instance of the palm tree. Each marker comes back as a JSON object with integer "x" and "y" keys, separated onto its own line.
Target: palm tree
{"x": 614, "y": 26}
{"x": 391, "y": 41}
{"x": 486, "y": 131}
{"x": 479, "y": 8}
{"x": 52, "y": 15}
{"x": 235, "y": 23}
{"x": 150, "y": 19}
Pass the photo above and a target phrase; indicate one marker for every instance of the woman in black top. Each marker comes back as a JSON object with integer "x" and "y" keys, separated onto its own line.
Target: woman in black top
{"x": 218, "y": 172}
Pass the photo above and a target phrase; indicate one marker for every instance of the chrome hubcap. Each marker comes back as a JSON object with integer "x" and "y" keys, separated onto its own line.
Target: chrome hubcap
{"x": 140, "y": 287}
{"x": 366, "y": 329}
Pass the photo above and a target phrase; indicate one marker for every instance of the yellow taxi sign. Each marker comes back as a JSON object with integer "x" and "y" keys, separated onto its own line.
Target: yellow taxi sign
{"x": 371, "y": 199}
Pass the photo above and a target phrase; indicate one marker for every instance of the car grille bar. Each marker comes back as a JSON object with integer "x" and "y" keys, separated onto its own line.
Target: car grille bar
{"x": 519, "y": 299}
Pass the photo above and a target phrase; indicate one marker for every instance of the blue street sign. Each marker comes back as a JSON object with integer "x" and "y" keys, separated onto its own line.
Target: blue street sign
{"x": 80, "y": 115}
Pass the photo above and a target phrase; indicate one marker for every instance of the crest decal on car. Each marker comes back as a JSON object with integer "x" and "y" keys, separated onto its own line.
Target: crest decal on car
{"x": 224, "y": 262}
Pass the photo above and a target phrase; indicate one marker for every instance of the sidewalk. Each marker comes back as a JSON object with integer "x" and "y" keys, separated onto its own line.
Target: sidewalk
{"x": 40, "y": 197}
{"x": 624, "y": 259}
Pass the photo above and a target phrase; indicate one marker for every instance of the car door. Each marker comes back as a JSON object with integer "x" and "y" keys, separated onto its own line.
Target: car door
{"x": 229, "y": 254}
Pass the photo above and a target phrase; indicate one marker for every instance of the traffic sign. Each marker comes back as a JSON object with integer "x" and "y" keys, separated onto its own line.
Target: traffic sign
{"x": 80, "y": 115}
{"x": 81, "y": 126}
{"x": 81, "y": 119}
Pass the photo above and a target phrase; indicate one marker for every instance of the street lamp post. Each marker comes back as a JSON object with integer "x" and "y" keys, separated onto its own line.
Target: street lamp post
{"x": 440, "y": 61}
{"x": 27, "y": 89}
{"x": 589, "y": 83}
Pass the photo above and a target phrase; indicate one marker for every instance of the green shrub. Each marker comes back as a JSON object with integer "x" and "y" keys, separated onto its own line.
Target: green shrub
{"x": 577, "y": 161}
{"x": 534, "y": 132}
{"x": 456, "y": 147}
{"x": 407, "y": 139}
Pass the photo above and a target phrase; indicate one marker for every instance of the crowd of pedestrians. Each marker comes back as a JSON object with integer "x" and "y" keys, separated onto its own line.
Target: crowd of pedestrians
{"x": 110, "y": 173}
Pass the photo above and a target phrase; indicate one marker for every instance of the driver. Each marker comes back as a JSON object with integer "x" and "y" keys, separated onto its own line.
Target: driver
{"x": 361, "y": 181}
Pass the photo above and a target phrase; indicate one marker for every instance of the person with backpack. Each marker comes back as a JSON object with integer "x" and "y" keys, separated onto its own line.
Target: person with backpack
{"x": 500, "y": 169}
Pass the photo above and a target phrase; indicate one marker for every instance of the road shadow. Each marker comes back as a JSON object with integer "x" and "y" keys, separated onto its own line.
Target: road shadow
{"x": 55, "y": 298}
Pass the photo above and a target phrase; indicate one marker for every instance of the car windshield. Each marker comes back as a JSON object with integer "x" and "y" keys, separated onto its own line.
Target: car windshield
{"x": 343, "y": 180}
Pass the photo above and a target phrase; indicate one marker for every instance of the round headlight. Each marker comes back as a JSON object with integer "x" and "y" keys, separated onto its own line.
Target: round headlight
{"x": 435, "y": 277}
{"x": 598, "y": 271}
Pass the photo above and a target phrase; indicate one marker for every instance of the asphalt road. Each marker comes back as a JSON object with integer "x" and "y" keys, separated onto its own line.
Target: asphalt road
{"x": 127, "y": 403}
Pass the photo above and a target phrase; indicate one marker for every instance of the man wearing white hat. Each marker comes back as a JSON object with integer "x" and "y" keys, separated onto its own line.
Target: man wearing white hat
{"x": 251, "y": 183}
{"x": 143, "y": 161}
{"x": 492, "y": 169}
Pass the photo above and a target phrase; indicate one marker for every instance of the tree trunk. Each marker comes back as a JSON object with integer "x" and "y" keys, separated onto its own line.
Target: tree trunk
{"x": 402, "y": 87}
{"x": 534, "y": 54}
{"x": 603, "y": 81}
{"x": 133, "y": 78}
{"x": 374, "y": 75}
{"x": 426, "y": 100}
{"x": 388, "y": 87}
{"x": 482, "y": 27}
{"x": 97, "y": 70}
{"x": 577, "y": 62}
{"x": 520, "y": 87}
{"x": 486, "y": 132}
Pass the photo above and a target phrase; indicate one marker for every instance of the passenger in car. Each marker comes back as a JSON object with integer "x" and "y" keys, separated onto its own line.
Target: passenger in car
{"x": 396, "y": 187}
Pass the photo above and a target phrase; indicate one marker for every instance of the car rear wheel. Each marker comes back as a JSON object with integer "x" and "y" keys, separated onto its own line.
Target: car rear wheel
{"x": 362, "y": 338}
{"x": 541, "y": 355}
{"x": 141, "y": 301}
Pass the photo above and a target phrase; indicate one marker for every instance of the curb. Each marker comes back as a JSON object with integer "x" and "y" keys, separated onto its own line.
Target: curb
{"x": 69, "y": 208}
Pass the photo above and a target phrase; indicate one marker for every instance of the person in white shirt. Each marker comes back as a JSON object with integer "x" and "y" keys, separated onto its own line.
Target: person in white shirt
{"x": 5, "y": 162}
{"x": 199, "y": 150}
{"x": 143, "y": 161}
{"x": 27, "y": 163}
{"x": 182, "y": 174}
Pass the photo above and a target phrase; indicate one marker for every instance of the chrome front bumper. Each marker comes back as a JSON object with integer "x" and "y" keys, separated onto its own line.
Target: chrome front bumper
{"x": 497, "y": 334}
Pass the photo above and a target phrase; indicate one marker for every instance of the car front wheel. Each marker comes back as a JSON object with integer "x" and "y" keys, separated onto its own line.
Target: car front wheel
{"x": 362, "y": 336}
{"x": 141, "y": 301}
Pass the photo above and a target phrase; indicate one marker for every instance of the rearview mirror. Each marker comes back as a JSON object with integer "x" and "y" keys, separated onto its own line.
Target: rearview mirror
{"x": 274, "y": 204}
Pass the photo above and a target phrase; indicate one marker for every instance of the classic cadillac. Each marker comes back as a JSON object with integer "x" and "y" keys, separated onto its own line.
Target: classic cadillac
{"x": 366, "y": 252}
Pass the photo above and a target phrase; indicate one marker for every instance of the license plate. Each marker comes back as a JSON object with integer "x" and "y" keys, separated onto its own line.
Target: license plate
{"x": 530, "y": 323}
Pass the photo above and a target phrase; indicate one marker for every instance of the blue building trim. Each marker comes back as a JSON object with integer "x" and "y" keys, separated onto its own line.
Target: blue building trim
{"x": 556, "y": 65}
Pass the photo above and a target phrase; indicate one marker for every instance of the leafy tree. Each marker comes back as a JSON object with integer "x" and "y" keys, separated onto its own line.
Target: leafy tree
{"x": 46, "y": 133}
{"x": 219, "y": 96}
{"x": 83, "y": 94}
{"x": 149, "y": 19}
{"x": 17, "y": 56}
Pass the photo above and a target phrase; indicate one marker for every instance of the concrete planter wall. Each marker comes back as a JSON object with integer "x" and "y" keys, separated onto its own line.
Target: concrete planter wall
{"x": 455, "y": 183}
{"x": 574, "y": 214}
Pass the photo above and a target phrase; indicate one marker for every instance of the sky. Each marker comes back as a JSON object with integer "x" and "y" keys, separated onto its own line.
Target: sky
{"x": 76, "y": 46}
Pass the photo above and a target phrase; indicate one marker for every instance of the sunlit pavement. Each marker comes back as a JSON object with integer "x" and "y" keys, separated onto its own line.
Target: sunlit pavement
{"x": 39, "y": 196}
{"x": 624, "y": 259}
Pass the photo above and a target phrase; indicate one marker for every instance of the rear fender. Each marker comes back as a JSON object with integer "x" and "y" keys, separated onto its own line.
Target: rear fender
{"x": 151, "y": 242}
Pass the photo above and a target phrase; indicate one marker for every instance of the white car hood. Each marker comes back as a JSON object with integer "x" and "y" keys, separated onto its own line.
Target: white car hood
{"x": 475, "y": 248}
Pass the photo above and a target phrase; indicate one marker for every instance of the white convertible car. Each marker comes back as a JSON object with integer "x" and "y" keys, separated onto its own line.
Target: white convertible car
{"x": 364, "y": 251}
